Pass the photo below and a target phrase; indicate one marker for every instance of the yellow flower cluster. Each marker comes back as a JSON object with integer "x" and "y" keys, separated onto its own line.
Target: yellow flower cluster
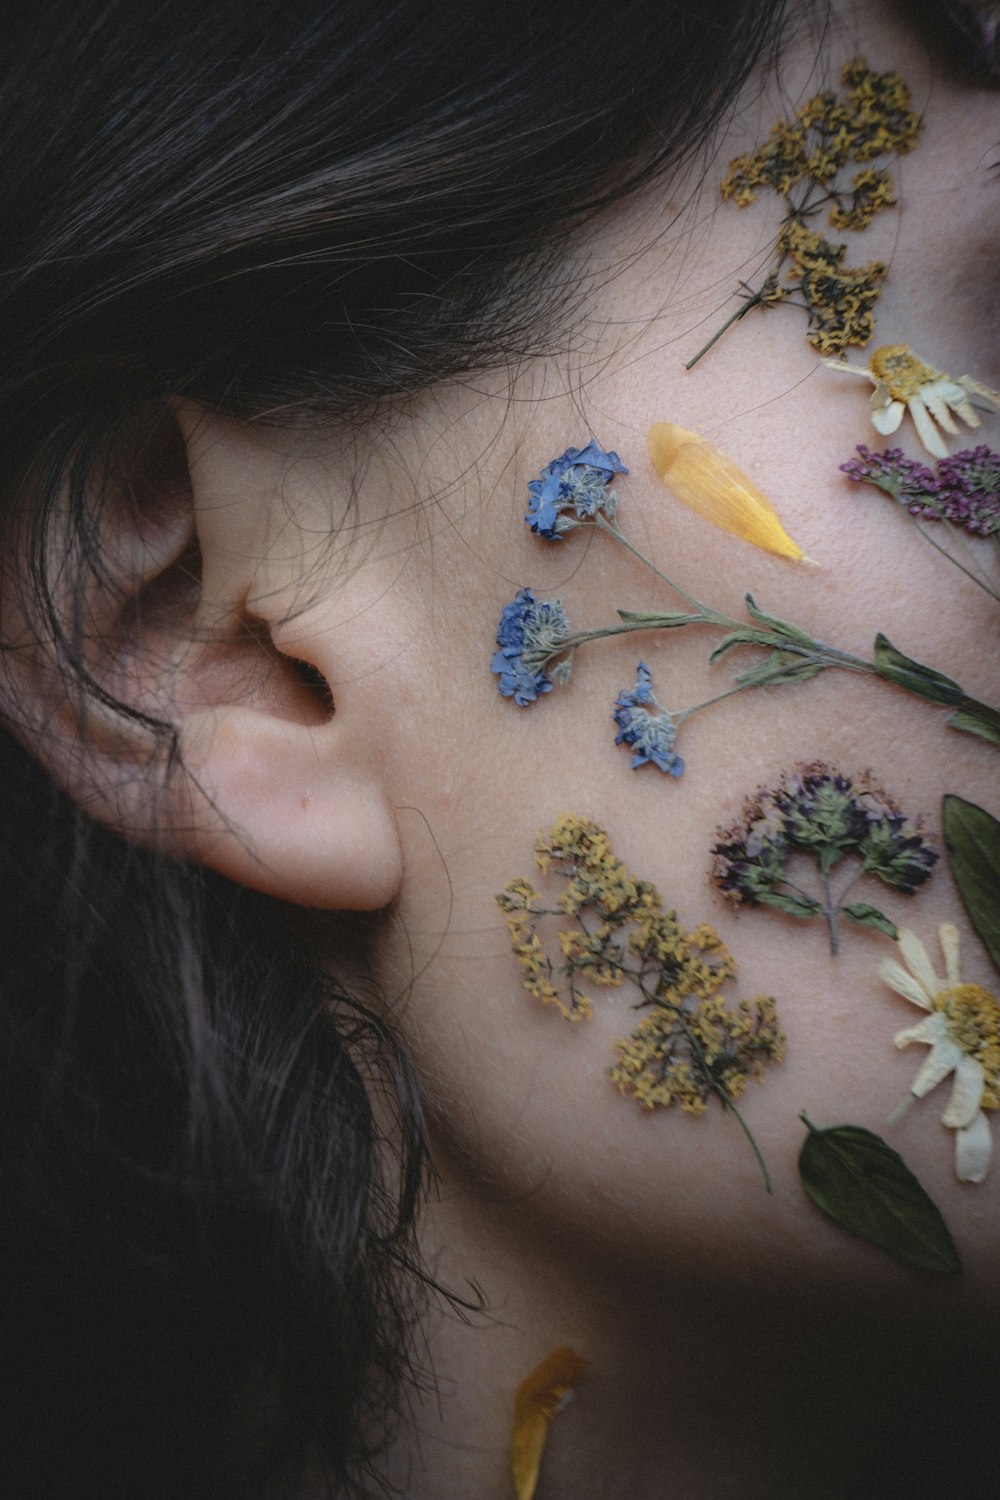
{"x": 729, "y": 1046}
{"x": 801, "y": 161}
{"x": 881, "y": 117}
{"x": 873, "y": 118}
{"x": 871, "y": 191}
{"x": 840, "y": 299}
{"x": 689, "y": 1045}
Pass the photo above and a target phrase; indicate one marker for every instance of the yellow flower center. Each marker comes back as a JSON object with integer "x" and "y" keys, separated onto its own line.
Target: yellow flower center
{"x": 974, "y": 1023}
{"x": 902, "y": 372}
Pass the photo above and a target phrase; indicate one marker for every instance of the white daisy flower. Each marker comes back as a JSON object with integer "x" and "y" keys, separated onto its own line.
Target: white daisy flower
{"x": 905, "y": 383}
{"x": 962, "y": 1030}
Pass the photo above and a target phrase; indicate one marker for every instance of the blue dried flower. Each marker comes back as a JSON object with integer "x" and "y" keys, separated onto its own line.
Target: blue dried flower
{"x": 530, "y": 632}
{"x": 571, "y": 489}
{"x": 650, "y": 736}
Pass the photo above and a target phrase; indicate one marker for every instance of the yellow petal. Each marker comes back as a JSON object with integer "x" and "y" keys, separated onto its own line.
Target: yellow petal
{"x": 701, "y": 477}
{"x": 536, "y": 1401}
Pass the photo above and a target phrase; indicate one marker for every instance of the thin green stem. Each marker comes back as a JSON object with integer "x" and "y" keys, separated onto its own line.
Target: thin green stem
{"x": 830, "y": 912}
{"x": 753, "y": 1144}
{"x": 978, "y": 578}
{"x": 685, "y": 713}
{"x": 719, "y": 1091}
{"x": 709, "y": 615}
{"x": 756, "y": 299}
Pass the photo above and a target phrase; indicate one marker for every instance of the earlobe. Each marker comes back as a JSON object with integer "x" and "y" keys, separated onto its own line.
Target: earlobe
{"x": 295, "y": 811}
{"x": 275, "y": 785}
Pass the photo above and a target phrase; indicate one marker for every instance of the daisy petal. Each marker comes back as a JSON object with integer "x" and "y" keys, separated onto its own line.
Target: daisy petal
{"x": 938, "y": 402}
{"x": 988, "y": 399}
{"x": 974, "y": 1150}
{"x": 939, "y": 1062}
{"x": 959, "y": 402}
{"x": 948, "y": 933}
{"x": 966, "y": 1095}
{"x": 930, "y": 1030}
{"x": 927, "y": 432}
{"x": 916, "y": 960}
{"x": 886, "y": 419}
{"x": 898, "y": 979}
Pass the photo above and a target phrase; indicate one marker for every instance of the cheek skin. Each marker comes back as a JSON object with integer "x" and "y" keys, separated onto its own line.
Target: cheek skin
{"x": 519, "y": 1099}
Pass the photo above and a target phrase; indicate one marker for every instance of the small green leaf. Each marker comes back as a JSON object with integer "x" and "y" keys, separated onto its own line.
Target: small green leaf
{"x": 795, "y": 906}
{"x": 867, "y": 1188}
{"x": 778, "y": 668}
{"x": 977, "y": 718}
{"x": 870, "y": 916}
{"x": 744, "y": 637}
{"x": 912, "y": 675}
{"x": 972, "y": 839}
{"x": 658, "y": 619}
{"x": 779, "y": 626}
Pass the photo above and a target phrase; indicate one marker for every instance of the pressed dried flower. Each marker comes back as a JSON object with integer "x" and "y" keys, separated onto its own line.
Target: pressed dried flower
{"x": 820, "y": 812}
{"x": 963, "y": 488}
{"x": 962, "y": 1029}
{"x": 537, "y": 1399}
{"x": 839, "y": 299}
{"x": 650, "y": 734}
{"x": 530, "y": 631}
{"x": 574, "y": 487}
{"x": 906, "y": 383}
{"x": 690, "y": 1045}
{"x": 707, "y": 481}
{"x": 802, "y": 161}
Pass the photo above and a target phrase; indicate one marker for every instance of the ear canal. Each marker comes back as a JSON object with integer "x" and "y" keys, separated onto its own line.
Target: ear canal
{"x": 272, "y": 783}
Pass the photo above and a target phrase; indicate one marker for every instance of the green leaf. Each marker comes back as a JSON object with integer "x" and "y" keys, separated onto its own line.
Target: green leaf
{"x": 658, "y": 619}
{"x": 977, "y": 718}
{"x": 867, "y": 1188}
{"x": 779, "y": 626}
{"x": 744, "y": 637}
{"x": 795, "y": 906}
{"x": 913, "y": 676}
{"x": 972, "y": 839}
{"x": 778, "y": 668}
{"x": 870, "y": 916}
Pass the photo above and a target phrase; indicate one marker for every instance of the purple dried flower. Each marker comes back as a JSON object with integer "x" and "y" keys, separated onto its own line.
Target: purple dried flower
{"x": 970, "y": 489}
{"x": 908, "y": 482}
{"x": 820, "y": 812}
{"x": 965, "y": 489}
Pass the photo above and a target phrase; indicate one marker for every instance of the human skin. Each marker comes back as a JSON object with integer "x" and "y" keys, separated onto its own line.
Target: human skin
{"x": 646, "y": 1241}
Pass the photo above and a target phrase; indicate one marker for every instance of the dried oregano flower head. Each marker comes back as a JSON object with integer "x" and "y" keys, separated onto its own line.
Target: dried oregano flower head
{"x": 610, "y": 930}
{"x": 806, "y": 162}
{"x": 819, "y": 812}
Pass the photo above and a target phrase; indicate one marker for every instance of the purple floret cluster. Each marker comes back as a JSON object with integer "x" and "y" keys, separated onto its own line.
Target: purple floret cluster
{"x": 963, "y": 489}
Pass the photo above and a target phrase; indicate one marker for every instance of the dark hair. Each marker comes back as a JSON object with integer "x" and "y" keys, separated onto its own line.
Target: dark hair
{"x": 285, "y": 211}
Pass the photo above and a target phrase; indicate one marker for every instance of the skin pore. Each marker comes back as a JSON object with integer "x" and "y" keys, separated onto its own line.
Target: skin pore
{"x": 738, "y": 1345}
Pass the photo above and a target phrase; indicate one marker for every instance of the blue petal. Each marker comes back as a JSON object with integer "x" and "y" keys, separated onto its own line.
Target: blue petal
{"x": 596, "y": 456}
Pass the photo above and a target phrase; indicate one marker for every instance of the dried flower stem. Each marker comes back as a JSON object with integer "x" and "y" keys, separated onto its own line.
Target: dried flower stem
{"x": 794, "y": 655}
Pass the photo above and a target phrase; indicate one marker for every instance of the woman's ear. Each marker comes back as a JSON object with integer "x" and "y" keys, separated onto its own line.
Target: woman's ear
{"x": 189, "y": 612}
